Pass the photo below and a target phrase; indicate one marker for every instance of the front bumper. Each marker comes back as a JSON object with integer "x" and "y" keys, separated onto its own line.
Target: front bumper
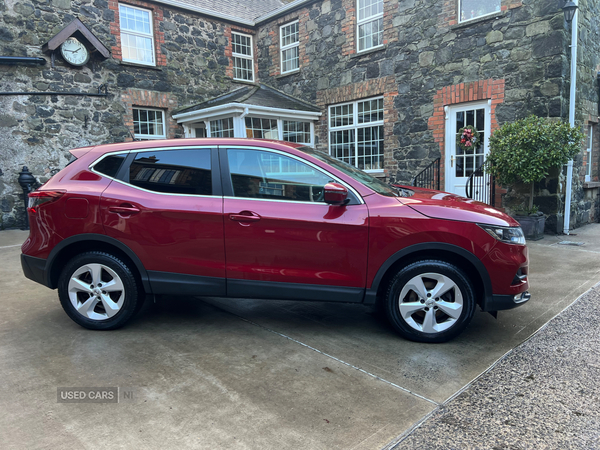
{"x": 502, "y": 302}
{"x": 35, "y": 269}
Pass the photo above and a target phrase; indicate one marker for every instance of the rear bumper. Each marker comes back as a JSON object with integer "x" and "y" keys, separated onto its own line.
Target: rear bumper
{"x": 502, "y": 302}
{"x": 35, "y": 269}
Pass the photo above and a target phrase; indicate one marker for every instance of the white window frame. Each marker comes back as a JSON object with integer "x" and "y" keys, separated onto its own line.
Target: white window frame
{"x": 355, "y": 126}
{"x": 589, "y": 150}
{"x": 242, "y": 56}
{"x": 140, "y": 34}
{"x": 461, "y": 20}
{"x": 151, "y": 136}
{"x": 364, "y": 21}
{"x": 284, "y": 48}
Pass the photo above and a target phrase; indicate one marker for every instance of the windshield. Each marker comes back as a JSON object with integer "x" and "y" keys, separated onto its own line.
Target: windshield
{"x": 363, "y": 177}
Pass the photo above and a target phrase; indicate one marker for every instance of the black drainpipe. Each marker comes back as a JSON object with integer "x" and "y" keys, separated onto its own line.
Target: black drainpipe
{"x": 19, "y": 60}
{"x": 102, "y": 87}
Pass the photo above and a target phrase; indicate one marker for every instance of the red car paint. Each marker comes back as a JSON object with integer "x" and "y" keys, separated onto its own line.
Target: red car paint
{"x": 242, "y": 239}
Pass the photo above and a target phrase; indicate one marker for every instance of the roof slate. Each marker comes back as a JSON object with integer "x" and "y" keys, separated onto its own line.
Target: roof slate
{"x": 243, "y": 9}
{"x": 261, "y": 95}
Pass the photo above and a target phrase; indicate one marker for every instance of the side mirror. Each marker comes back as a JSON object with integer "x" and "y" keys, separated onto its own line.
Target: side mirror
{"x": 335, "y": 194}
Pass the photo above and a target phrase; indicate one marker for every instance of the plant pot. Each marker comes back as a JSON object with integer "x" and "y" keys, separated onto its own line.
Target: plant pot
{"x": 532, "y": 226}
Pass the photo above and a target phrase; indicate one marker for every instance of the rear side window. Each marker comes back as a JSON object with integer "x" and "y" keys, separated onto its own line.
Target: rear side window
{"x": 173, "y": 171}
{"x": 110, "y": 165}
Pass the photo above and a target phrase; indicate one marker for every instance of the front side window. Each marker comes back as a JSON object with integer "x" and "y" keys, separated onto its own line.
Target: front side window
{"x": 185, "y": 171}
{"x": 370, "y": 24}
{"x": 148, "y": 123}
{"x": 269, "y": 175}
{"x": 243, "y": 59}
{"x": 137, "y": 39}
{"x": 471, "y": 9}
{"x": 258, "y": 128}
{"x": 221, "y": 127}
{"x": 356, "y": 133}
{"x": 290, "y": 47}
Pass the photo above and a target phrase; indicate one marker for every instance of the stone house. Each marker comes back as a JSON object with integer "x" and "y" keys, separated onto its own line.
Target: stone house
{"x": 381, "y": 84}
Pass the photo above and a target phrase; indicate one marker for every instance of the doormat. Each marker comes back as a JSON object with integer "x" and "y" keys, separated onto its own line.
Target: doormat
{"x": 571, "y": 243}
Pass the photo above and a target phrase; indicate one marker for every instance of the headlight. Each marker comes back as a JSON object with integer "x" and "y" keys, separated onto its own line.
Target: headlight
{"x": 510, "y": 235}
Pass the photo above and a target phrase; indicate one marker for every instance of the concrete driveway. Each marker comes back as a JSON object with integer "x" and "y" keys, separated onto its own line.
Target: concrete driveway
{"x": 250, "y": 374}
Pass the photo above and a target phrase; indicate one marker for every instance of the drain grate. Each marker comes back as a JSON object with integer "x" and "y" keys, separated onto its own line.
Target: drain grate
{"x": 571, "y": 243}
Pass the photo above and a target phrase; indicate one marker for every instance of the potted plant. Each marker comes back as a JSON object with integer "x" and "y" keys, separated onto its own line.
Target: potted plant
{"x": 525, "y": 151}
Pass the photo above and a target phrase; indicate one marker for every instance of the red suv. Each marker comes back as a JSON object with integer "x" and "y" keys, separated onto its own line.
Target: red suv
{"x": 270, "y": 220}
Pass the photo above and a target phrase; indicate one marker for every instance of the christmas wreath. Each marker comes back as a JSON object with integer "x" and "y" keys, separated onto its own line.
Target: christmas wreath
{"x": 468, "y": 138}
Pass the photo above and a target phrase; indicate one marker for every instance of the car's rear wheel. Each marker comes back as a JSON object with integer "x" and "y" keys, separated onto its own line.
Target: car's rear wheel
{"x": 99, "y": 291}
{"x": 430, "y": 301}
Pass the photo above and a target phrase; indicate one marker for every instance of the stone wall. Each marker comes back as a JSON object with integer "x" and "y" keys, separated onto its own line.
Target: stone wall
{"x": 38, "y": 130}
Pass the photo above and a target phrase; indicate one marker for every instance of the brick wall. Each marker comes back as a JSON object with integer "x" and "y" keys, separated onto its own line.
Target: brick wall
{"x": 159, "y": 37}
{"x": 371, "y": 88}
{"x": 462, "y": 93}
{"x": 143, "y": 98}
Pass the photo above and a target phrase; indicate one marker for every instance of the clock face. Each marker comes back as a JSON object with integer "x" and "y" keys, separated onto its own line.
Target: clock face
{"x": 74, "y": 52}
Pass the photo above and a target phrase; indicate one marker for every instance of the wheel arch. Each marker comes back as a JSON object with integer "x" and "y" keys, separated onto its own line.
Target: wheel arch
{"x": 74, "y": 245}
{"x": 463, "y": 259}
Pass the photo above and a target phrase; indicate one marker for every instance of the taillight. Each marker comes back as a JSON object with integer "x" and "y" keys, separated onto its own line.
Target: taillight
{"x": 38, "y": 198}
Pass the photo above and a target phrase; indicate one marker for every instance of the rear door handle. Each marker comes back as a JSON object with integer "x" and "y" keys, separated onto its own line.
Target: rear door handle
{"x": 124, "y": 209}
{"x": 245, "y": 216}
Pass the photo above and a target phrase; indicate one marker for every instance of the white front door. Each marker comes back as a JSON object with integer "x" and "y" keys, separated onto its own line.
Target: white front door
{"x": 460, "y": 164}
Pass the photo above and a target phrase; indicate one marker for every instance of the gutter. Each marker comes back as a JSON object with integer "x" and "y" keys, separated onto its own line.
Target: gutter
{"x": 22, "y": 60}
{"x": 233, "y": 108}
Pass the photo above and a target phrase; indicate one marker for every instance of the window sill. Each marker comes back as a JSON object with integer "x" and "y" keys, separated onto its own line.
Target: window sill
{"x": 141, "y": 66}
{"x": 368, "y": 52}
{"x": 467, "y": 23}
{"x": 251, "y": 83}
{"x": 287, "y": 74}
{"x": 591, "y": 184}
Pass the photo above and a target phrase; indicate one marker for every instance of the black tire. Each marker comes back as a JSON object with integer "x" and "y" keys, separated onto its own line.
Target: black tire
{"x": 109, "y": 304}
{"x": 424, "y": 316}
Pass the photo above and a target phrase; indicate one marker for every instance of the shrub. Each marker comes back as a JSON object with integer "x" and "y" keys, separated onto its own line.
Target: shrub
{"x": 525, "y": 150}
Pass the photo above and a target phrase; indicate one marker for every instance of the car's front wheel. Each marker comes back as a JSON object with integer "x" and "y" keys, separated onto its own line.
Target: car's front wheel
{"x": 430, "y": 301}
{"x": 98, "y": 291}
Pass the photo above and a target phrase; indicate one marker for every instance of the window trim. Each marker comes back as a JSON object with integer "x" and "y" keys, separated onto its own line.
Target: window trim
{"x": 228, "y": 188}
{"x": 283, "y": 48}
{"x": 360, "y": 22}
{"x": 240, "y": 55}
{"x": 137, "y": 33}
{"x": 459, "y": 5}
{"x": 355, "y": 126}
{"x": 155, "y": 136}
{"x": 589, "y": 150}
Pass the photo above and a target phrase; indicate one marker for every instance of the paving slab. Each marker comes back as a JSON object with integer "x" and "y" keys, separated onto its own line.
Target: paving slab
{"x": 559, "y": 274}
{"x": 199, "y": 378}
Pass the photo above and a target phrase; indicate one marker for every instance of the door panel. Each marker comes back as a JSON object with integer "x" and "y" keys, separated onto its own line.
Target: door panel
{"x": 461, "y": 163}
{"x": 169, "y": 218}
{"x": 278, "y": 228}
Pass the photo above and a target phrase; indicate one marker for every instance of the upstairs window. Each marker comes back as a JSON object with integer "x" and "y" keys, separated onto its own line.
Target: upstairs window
{"x": 148, "y": 124}
{"x": 290, "y": 46}
{"x": 137, "y": 38}
{"x": 370, "y": 24}
{"x": 472, "y": 9}
{"x": 243, "y": 58}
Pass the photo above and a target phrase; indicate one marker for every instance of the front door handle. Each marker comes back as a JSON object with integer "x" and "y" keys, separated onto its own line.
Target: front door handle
{"x": 124, "y": 209}
{"x": 245, "y": 216}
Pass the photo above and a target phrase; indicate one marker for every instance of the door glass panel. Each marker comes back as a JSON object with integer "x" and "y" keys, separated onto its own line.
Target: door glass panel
{"x": 267, "y": 175}
{"x": 469, "y": 159}
{"x": 173, "y": 171}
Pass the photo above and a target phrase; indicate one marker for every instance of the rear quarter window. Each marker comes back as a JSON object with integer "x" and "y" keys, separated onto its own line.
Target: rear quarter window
{"x": 110, "y": 165}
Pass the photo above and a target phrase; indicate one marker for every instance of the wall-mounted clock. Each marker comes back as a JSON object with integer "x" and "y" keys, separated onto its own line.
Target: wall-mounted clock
{"x": 74, "y": 52}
